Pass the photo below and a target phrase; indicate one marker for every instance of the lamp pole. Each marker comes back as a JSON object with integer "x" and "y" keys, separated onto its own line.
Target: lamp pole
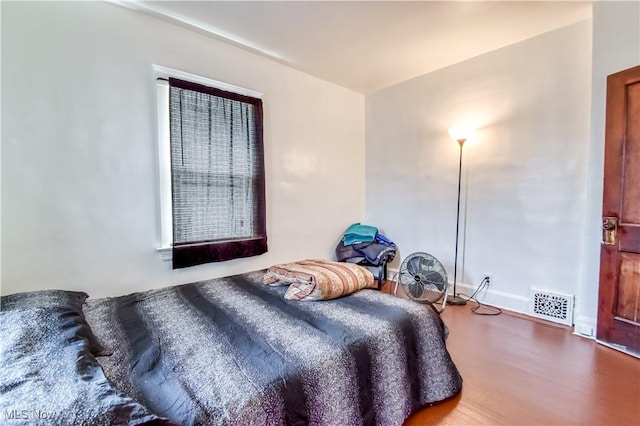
{"x": 453, "y": 299}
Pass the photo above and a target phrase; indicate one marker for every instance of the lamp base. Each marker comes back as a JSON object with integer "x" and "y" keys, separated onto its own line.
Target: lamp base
{"x": 456, "y": 300}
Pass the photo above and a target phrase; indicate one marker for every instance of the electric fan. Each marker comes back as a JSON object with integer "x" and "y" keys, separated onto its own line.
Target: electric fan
{"x": 423, "y": 278}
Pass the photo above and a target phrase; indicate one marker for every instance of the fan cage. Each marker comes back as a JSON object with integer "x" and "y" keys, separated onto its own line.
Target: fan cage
{"x": 423, "y": 278}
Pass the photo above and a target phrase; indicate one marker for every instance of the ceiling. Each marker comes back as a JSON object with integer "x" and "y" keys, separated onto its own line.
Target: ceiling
{"x": 368, "y": 45}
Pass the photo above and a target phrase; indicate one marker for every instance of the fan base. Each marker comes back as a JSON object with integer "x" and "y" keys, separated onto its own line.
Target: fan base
{"x": 456, "y": 300}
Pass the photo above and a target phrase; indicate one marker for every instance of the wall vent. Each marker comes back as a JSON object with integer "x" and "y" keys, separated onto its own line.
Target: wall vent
{"x": 556, "y": 307}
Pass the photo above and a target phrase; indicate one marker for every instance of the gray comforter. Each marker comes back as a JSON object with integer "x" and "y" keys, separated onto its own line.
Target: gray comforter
{"x": 233, "y": 351}
{"x": 227, "y": 351}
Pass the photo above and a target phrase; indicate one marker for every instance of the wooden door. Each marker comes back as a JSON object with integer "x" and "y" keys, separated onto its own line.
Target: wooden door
{"x": 619, "y": 294}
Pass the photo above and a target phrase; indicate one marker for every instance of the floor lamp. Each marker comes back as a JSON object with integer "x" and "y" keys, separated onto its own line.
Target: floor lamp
{"x": 460, "y": 134}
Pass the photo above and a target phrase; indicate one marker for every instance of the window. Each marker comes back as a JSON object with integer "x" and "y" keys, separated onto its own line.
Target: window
{"x": 217, "y": 184}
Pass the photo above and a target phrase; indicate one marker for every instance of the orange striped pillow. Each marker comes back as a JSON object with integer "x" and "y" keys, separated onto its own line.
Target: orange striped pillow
{"x": 316, "y": 279}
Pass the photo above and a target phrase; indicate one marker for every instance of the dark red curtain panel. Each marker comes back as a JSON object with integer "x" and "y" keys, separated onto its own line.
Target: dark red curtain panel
{"x": 217, "y": 169}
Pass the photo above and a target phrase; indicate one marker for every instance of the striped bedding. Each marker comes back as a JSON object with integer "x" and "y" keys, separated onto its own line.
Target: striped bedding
{"x": 318, "y": 279}
{"x": 233, "y": 351}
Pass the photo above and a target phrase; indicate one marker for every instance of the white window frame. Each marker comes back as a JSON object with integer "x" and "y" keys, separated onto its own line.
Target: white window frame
{"x": 161, "y": 77}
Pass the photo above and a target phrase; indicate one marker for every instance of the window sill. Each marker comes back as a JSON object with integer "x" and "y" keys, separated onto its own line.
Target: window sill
{"x": 166, "y": 253}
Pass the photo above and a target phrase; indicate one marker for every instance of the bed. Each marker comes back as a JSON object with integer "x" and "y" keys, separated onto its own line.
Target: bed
{"x": 225, "y": 351}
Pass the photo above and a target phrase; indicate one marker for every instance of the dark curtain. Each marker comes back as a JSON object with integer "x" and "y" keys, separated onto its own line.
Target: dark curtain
{"x": 217, "y": 168}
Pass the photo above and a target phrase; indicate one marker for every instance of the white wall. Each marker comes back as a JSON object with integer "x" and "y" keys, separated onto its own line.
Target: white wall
{"x": 524, "y": 173}
{"x": 79, "y": 155}
{"x": 616, "y": 46}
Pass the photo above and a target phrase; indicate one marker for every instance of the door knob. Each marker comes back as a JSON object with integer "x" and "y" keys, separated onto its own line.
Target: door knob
{"x": 609, "y": 228}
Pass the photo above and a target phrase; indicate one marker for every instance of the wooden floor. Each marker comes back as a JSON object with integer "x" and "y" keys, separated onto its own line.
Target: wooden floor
{"x": 519, "y": 371}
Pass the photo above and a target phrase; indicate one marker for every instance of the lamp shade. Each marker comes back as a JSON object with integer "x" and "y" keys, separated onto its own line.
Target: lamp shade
{"x": 462, "y": 132}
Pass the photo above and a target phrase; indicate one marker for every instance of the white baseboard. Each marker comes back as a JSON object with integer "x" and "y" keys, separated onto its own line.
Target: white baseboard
{"x": 585, "y": 327}
{"x": 497, "y": 298}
